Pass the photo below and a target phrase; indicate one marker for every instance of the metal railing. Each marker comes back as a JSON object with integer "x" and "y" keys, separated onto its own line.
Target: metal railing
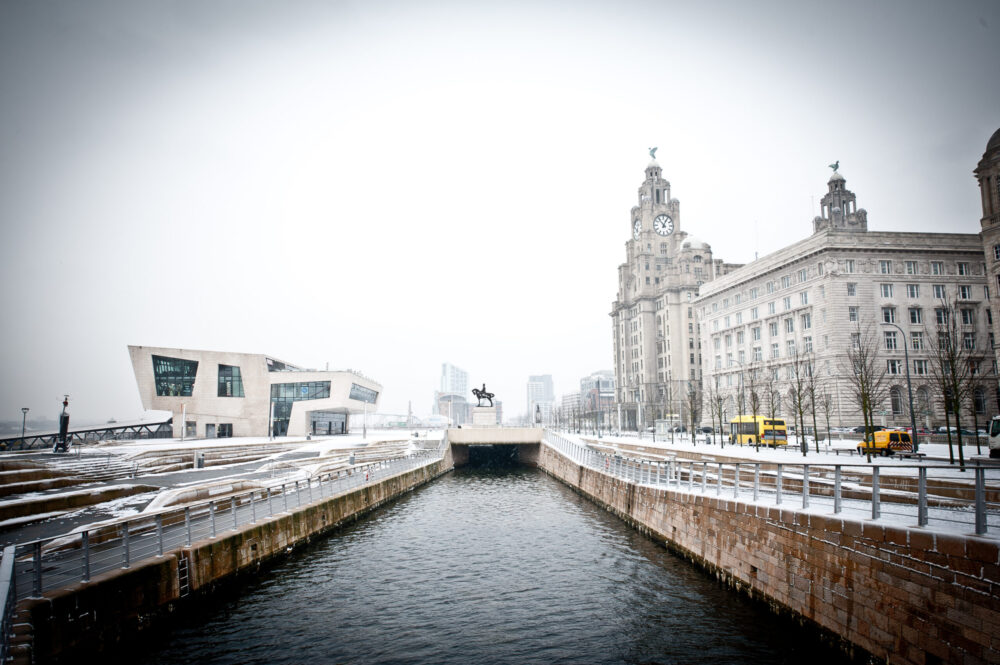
{"x": 42, "y": 565}
{"x": 922, "y": 495}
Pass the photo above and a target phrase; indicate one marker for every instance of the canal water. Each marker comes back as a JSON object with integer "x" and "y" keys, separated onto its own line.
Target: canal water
{"x": 484, "y": 566}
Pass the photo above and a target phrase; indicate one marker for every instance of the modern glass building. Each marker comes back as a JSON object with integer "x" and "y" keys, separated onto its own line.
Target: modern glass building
{"x": 219, "y": 394}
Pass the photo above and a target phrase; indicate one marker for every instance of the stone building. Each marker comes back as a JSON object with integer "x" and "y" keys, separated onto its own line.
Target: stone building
{"x": 988, "y": 174}
{"x": 656, "y": 336}
{"x": 807, "y": 301}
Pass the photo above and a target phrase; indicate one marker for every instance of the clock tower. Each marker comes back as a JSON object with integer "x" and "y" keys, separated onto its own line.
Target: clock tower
{"x": 657, "y": 354}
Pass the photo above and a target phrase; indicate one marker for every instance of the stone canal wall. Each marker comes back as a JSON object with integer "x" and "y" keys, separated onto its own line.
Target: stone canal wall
{"x": 904, "y": 595}
{"x": 94, "y": 616}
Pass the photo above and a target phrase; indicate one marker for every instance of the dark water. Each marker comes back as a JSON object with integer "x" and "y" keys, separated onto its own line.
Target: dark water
{"x": 484, "y": 567}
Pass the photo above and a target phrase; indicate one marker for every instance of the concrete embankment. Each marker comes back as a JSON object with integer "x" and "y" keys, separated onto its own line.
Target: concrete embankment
{"x": 95, "y": 616}
{"x": 903, "y": 595}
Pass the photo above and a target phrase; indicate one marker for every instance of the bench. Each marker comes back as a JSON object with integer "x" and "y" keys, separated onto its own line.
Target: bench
{"x": 916, "y": 456}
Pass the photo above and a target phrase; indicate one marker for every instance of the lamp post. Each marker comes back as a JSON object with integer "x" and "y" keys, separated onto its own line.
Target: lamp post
{"x": 24, "y": 417}
{"x": 909, "y": 387}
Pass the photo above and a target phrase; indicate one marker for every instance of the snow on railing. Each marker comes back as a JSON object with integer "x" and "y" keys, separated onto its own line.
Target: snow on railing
{"x": 932, "y": 496}
{"x": 53, "y": 563}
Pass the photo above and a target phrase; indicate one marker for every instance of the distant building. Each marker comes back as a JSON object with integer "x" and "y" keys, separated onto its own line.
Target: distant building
{"x": 569, "y": 405}
{"x": 452, "y": 399}
{"x": 541, "y": 394}
{"x": 454, "y": 380}
{"x": 597, "y": 392}
{"x": 219, "y": 394}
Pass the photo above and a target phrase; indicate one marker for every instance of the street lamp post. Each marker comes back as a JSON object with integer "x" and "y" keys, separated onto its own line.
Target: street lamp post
{"x": 909, "y": 387}
{"x": 24, "y": 417}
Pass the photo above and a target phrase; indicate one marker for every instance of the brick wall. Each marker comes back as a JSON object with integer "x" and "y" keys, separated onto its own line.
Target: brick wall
{"x": 904, "y": 595}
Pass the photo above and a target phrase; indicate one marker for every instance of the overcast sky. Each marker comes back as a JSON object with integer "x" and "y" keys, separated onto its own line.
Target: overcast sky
{"x": 388, "y": 186}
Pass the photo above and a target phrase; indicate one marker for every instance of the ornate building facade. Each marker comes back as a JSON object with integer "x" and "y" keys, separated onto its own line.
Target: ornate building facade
{"x": 988, "y": 174}
{"x": 806, "y": 302}
{"x": 656, "y": 333}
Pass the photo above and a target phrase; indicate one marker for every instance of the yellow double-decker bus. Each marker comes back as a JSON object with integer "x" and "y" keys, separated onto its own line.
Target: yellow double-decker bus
{"x": 750, "y": 430}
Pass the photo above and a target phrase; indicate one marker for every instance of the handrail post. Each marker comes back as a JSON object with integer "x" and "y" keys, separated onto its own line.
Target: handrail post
{"x": 980, "y": 500}
{"x": 777, "y": 485}
{"x": 756, "y": 481}
{"x": 805, "y": 485}
{"x": 85, "y": 539}
{"x": 270, "y": 502}
{"x": 736, "y": 481}
{"x": 187, "y": 524}
{"x": 159, "y": 534}
{"x": 704, "y": 477}
{"x": 922, "y": 496}
{"x": 125, "y": 545}
{"x": 211, "y": 513}
{"x": 836, "y": 489}
{"x": 876, "y": 505}
{"x": 691, "y": 476}
{"x": 253, "y": 509}
{"x": 36, "y": 557}
{"x": 298, "y": 495}
{"x": 284, "y": 496}
{"x": 232, "y": 505}
{"x": 718, "y": 481}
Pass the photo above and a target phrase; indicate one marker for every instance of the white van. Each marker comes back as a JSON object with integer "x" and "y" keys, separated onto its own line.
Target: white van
{"x": 994, "y": 435}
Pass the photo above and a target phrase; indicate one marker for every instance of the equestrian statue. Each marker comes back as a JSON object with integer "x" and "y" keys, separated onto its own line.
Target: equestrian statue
{"x": 482, "y": 394}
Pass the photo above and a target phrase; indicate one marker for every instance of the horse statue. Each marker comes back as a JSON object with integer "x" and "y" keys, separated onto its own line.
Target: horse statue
{"x": 482, "y": 394}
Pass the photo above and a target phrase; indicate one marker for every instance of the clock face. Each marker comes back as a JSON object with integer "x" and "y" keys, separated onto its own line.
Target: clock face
{"x": 636, "y": 229}
{"x": 663, "y": 225}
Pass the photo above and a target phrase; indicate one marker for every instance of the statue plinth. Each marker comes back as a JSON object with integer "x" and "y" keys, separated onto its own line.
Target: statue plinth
{"x": 484, "y": 416}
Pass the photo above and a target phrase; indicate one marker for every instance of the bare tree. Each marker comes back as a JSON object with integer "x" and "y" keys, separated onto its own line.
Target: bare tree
{"x": 754, "y": 401}
{"x": 799, "y": 369}
{"x": 716, "y": 402}
{"x": 692, "y": 399}
{"x": 771, "y": 390}
{"x": 865, "y": 374}
{"x": 811, "y": 393}
{"x": 825, "y": 404}
{"x": 952, "y": 365}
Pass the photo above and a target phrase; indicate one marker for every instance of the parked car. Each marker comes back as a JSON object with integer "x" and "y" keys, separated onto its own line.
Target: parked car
{"x": 705, "y": 430}
{"x": 886, "y": 442}
{"x": 860, "y": 429}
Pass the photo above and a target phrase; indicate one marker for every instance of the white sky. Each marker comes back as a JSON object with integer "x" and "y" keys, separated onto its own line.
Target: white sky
{"x": 389, "y": 186}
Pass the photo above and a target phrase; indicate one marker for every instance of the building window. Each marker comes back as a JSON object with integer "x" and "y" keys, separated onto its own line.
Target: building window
{"x": 806, "y": 321}
{"x": 808, "y": 344}
{"x": 890, "y": 340}
{"x": 787, "y": 302}
{"x": 979, "y": 400}
{"x": 911, "y": 267}
{"x": 753, "y": 314}
{"x": 920, "y": 367}
{"x": 804, "y": 298}
{"x": 916, "y": 315}
{"x": 852, "y": 314}
{"x": 772, "y": 328}
{"x": 755, "y": 333}
{"x": 941, "y": 316}
{"x": 888, "y": 315}
{"x": 963, "y": 268}
{"x": 896, "y": 399}
{"x": 789, "y": 325}
{"x": 726, "y": 324}
{"x": 968, "y": 317}
{"x": 912, "y": 290}
{"x": 965, "y": 292}
{"x": 770, "y": 307}
{"x": 803, "y": 275}
{"x": 174, "y": 377}
{"x": 917, "y": 341}
{"x": 886, "y": 290}
{"x": 739, "y": 338}
{"x": 996, "y": 252}
{"x": 936, "y": 268}
{"x": 849, "y": 265}
{"x": 855, "y": 341}
{"x": 754, "y": 292}
{"x": 230, "y": 381}
{"x": 893, "y": 366}
{"x": 852, "y": 289}
{"x": 757, "y": 356}
{"x": 939, "y": 291}
{"x": 770, "y": 287}
{"x": 729, "y": 341}
{"x": 775, "y": 351}
{"x": 969, "y": 341}
{"x": 786, "y": 281}
{"x": 303, "y": 390}
{"x": 885, "y": 267}
{"x": 791, "y": 347}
